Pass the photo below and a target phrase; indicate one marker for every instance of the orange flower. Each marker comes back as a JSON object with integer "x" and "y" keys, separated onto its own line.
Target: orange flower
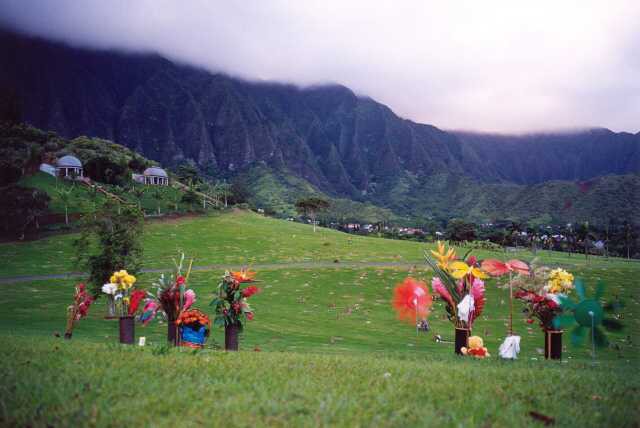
{"x": 243, "y": 275}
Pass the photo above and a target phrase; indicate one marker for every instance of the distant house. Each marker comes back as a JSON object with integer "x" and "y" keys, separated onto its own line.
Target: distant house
{"x": 69, "y": 167}
{"x": 155, "y": 176}
{"x": 48, "y": 169}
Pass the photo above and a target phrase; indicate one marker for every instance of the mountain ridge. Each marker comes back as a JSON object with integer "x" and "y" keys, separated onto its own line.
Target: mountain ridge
{"x": 343, "y": 144}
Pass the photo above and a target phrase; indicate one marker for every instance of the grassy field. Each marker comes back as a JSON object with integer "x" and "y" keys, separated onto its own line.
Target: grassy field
{"x": 332, "y": 352}
{"x": 245, "y": 238}
{"x": 82, "y": 384}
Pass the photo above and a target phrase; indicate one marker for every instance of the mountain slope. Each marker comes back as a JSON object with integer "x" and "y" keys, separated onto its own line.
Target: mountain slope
{"x": 342, "y": 144}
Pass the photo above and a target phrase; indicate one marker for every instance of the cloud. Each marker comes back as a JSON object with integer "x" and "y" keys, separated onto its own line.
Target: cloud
{"x": 483, "y": 65}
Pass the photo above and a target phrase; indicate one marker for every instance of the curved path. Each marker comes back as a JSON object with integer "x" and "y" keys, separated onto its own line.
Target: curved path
{"x": 267, "y": 266}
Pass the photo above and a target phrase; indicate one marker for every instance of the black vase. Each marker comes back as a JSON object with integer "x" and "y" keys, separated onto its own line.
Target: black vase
{"x": 172, "y": 333}
{"x": 553, "y": 344}
{"x": 462, "y": 339}
{"x": 231, "y": 332}
{"x": 127, "y": 330}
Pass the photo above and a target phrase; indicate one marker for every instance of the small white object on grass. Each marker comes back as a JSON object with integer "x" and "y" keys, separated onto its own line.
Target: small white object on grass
{"x": 142, "y": 341}
{"x": 510, "y": 348}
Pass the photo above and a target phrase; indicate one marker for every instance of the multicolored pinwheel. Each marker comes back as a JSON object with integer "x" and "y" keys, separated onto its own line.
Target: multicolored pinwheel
{"x": 589, "y": 315}
{"x": 412, "y": 300}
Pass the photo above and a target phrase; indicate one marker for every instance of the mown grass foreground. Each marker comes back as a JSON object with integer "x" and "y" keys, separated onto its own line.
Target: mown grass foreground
{"x": 72, "y": 383}
{"x": 324, "y": 348}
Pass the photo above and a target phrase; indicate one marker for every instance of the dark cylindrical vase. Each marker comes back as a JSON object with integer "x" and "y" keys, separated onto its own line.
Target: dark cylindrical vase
{"x": 127, "y": 330}
{"x": 553, "y": 344}
{"x": 231, "y": 337}
{"x": 462, "y": 339}
{"x": 173, "y": 334}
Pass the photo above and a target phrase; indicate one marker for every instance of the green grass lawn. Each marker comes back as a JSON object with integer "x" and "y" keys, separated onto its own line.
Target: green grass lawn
{"x": 332, "y": 352}
{"x": 50, "y": 382}
{"x": 245, "y": 238}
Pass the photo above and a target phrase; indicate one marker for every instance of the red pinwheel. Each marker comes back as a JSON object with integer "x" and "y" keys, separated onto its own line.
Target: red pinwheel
{"x": 411, "y": 300}
{"x": 497, "y": 268}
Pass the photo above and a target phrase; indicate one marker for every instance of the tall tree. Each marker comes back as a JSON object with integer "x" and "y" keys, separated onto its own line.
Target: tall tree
{"x": 109, "y": 242}
{"x": 65, "y": 196}
{"x": 310, "y": 207}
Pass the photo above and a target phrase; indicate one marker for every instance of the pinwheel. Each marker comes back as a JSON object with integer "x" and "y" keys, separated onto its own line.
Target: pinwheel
{"x": 589, "y": 315}
{"x": 412, "y": 301}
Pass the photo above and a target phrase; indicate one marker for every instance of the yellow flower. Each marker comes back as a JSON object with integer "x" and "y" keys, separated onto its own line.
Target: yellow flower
{"x": 443, "y": 256}
{"x": 113, "y": 279}
{"x": 560, "y": 281}
{"x": 125, "y": 300}
{"x": 461, "y": 269}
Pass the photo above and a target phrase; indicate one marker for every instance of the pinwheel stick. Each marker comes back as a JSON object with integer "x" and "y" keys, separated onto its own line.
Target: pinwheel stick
{"x": 510, "y": 305}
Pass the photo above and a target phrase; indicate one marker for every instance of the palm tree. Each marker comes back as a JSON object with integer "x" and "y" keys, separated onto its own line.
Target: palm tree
{"x": 65, "y": 196}
{"x": 157, "y": 195}
{"x": 138, "y": 191}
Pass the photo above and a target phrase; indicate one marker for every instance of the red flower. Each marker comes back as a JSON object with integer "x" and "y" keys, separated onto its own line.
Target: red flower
{"x": 250, "y": 316}
{"x": 180, "y": 280}
{"x": 250, "y": 291}
{"x": 472, "y": 260}
{"x": 551, "y": 304}
{"x": 136, "y": 298}
{"x": 411, "y": 300}
{"x": 529, "y": 321}
{"x": 236, "y": 306}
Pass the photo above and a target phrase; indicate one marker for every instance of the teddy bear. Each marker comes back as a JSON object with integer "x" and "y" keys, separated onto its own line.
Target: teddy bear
{"x": 476, "y": 348}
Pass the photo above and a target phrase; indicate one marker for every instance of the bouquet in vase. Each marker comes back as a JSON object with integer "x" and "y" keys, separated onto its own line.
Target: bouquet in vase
{"x": 459, "y": 283}
{"x": 542, "y": 292}
{"x": 171, "y": 298}
{"x": 230, "y": 302}
{"x": 120, "y": 290}
{"x": 79, "y": 309}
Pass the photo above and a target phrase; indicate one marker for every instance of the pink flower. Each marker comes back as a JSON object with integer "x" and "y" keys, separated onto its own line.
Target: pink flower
{"x": 250, "y": 316}
{"x": 477, "y": 291}
{"x": 439, "y": 288}
{"x": 189, "y": 299}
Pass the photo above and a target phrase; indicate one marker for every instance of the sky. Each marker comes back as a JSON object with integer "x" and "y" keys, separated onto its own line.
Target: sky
{"x": 495, "y": 66}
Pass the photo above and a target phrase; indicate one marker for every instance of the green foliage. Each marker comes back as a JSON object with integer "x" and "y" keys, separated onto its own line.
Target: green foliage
{"x": 20, "y": 210}
{"x": 459, "y": 231}
{"x": 111, "y": 240}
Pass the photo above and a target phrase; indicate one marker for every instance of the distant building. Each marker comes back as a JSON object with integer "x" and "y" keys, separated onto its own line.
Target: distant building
{"x": 155, "y": 176}
{"x": 48, "y": 169}
{"x": 69, "y": 166}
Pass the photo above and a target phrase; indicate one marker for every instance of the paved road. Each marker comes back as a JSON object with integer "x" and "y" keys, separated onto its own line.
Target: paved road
{"x": 268, "y": 266}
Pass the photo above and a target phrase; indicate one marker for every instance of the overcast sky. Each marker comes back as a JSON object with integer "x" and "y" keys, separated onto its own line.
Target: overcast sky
{"x": 506, "y": 66}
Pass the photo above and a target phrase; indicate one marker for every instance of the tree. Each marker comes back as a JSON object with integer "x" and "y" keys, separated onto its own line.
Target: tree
{"x": 458, "y": 230}
{"x": 190, "y": 197}
{"x": 20, "y": 209}
{"x": 138, "y": 191}
{"x": 158, "y": 196}
{"x": 310, "y": 207}
{"x": 110, "y": 242}
{"x": 65, "y": 196}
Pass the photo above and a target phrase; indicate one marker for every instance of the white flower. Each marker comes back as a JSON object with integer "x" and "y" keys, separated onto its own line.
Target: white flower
{"x": 109, "y": 288}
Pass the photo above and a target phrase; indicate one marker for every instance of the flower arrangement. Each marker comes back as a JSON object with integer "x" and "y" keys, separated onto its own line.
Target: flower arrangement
{"x": 171, "y": 298}
{"x": 194, "y": 327}
{"x": 119, "y": 288}
{"x": 79, "y": 309}
{"x": 541, "y": 292}
{"x": 459, "y": 284}
{"x": 230, "y": 302}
